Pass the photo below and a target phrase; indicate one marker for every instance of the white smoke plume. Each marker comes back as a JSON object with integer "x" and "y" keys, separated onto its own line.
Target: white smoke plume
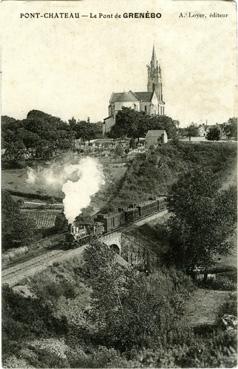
{"x": 79, "y": 181}
{"x": 31, "y": 176}
{"x": 78, "y": 193}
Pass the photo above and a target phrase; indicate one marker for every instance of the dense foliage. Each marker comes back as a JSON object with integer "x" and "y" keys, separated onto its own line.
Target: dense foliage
{"x": 135, "y": 124}
{"x": 154, "y": 172}
{"x": 190, "y": 131}
{"x": 214, "y": 134}
{"x": 128, "y": 308}
{"x": 17, "y": 228}
{"x": 101, "y": 314}
{"x": 203, "y": 218}
{"x": 41, "y": 135}
{"x": 231, "y": 128}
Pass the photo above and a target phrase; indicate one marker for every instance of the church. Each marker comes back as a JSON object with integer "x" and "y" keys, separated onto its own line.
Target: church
{"x": 151, "y": 101}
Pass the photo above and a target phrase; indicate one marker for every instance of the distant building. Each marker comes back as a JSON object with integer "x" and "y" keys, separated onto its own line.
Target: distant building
{"x": 150, "y": 101}
{"x": 202, "y": 130}
{"x": 154, "y": 137}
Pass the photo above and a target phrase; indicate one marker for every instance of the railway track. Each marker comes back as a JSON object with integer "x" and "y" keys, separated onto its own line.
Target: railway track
{"x": 29, "y": 267}
{"x": 14, "y": 274}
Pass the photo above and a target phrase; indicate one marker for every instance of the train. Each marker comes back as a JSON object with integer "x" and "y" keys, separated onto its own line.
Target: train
{"x": 82, "y": 230}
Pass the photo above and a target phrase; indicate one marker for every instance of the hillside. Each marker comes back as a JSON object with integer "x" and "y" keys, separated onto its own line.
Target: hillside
{"x": 154, "y": 172}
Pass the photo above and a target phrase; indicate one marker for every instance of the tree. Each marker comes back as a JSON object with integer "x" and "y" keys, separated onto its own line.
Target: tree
{"x": 119, "y": 150}
{"x": 30, "y": 139}
{"x": 85, "y": 130}
{"x": 132, "y": 143}
{"x": 214, "y": 134}
{"x": 230, "y": 128}
{"x": 72, "y": 123}
{"x": 130, "y": 309}
{"x": 45, "y": 149}
{"x": 127, "y": 123}
{"x": 131, "y": 123}
{"x": 39, "y": 134}
{"x": 192, "y": 131}
{"x": 162, "y": 122}
{"x": 203, "y": 219}
{"x": 15, "y": 150}
{"x": 17, "y": 228}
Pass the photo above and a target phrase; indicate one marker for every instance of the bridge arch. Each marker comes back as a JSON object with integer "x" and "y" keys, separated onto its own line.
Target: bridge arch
{"x": 113, "y": 240}
{"x": 115, "y": 248}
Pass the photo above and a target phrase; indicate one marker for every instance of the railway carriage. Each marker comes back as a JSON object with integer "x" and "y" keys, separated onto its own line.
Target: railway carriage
{"x": 131, "y": 214}
{"x": 148, "y": 207}
{"x": 162, "y": 203}
{"x": 82, "y": 230}
{"x": 111, "y": 221}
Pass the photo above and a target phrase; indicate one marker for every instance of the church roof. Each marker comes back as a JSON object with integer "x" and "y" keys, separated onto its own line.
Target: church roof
{"x": 123, "y": 96}
{"x": 131, "y": 96}
{"x": 144, "y": 96}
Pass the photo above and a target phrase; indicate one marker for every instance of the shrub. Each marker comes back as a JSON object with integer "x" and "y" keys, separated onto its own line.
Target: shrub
{"x": 221, "y": 282}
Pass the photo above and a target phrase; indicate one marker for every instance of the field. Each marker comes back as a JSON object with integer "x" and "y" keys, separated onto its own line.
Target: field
{"x": 16, "y": 180}
{"x": 203, "y": 306}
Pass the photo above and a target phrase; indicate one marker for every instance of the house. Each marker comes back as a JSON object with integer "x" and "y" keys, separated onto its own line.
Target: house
{"x": 202, "y": 130}
{"x": 154, "y": 137}
{"x": 150, "y": 102}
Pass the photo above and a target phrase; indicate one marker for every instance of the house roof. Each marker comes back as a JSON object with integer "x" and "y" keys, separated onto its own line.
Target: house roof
{"x": 155, "y": 132}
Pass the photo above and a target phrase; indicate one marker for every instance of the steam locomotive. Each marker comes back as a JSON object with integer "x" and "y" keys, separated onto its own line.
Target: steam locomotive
{"x": 82, "y": 230}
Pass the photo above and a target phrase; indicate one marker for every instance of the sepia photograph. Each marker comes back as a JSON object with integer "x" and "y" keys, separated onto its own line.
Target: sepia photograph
{"x": 119, "y": 184}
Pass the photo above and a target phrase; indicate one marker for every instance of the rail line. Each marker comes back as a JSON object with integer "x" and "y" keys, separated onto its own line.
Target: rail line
{"x": 14, "y": 274}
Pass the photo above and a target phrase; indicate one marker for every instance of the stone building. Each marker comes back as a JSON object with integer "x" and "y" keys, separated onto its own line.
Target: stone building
{"x": 151, "y": 101}
{"x": 154, "y": 137}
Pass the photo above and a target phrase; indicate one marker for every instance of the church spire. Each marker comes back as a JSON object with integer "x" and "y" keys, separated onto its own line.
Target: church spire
{"x": 154, "y": 83}
{"x": 154, "y": 76}
{"x": 154, "y": 61}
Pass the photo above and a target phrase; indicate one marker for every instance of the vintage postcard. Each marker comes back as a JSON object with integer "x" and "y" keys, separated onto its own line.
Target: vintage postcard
{"x": 118, "y": 166}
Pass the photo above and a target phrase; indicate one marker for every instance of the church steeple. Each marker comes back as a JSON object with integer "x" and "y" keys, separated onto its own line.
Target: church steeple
{"x": 154, "y": 61}
{"x": 154, "y": 76}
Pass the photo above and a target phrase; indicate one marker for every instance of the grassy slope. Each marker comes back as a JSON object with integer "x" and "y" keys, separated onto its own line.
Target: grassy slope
{"x": 154, "y": 173}
{"x": 203, "y": 306}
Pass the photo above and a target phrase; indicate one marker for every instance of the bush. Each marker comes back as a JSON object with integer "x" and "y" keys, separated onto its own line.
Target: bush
{"x": 229, "y": 307}
{"x": 222, "y": 282}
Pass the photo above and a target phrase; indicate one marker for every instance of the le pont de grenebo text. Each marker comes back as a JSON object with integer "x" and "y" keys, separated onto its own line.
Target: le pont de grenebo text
{"x": 63, "y": 15}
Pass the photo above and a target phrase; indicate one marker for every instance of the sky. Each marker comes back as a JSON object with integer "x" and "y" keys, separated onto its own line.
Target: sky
{"x": 70, "y": 67}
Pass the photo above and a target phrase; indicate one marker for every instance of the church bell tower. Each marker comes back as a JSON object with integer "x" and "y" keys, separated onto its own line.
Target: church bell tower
{"x": 154, "y": 77}
{"x": 155, "y": 82}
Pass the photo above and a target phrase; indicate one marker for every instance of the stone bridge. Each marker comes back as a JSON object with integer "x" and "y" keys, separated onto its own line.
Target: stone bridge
{"x": 113, "y": 240}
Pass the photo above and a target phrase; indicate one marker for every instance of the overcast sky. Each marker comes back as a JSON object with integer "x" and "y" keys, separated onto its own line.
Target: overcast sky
{"x": 70, "y": 67}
